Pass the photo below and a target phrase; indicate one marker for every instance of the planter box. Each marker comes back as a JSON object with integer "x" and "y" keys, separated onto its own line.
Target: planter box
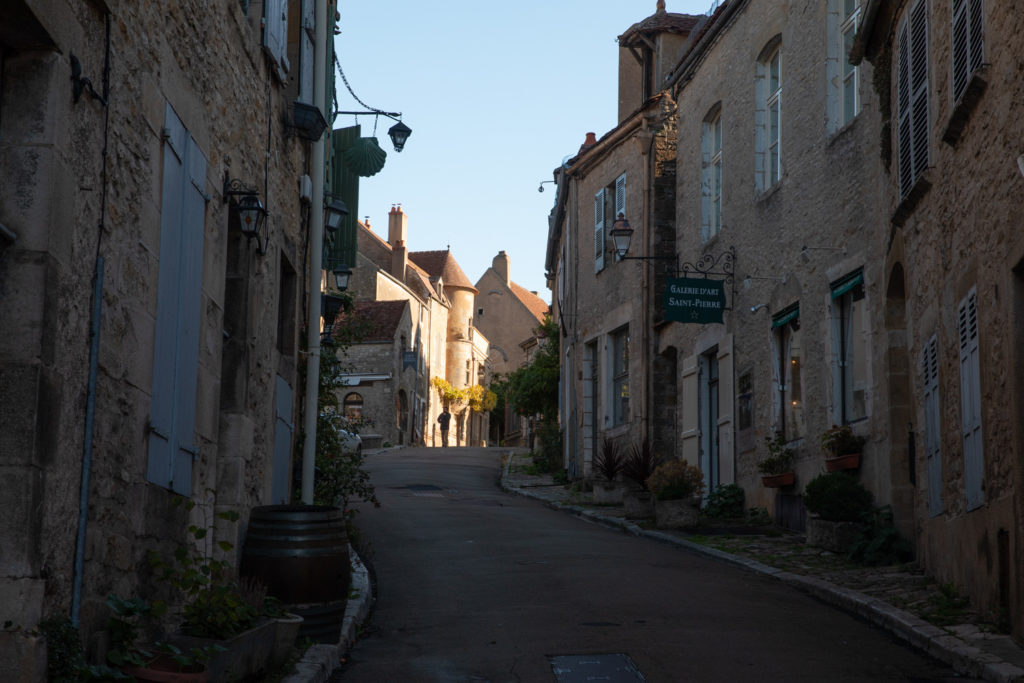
{"x": 608, "y": 492}
{"x": 775, "y": 481}
{"x": 286, "y": 632}
{"x": 676, "y": 514}
{"x": 839, "y": 537}
{"x": 850, "y": 461}
{"x": 246, "y": 654}
{"x": 638, "y": 504}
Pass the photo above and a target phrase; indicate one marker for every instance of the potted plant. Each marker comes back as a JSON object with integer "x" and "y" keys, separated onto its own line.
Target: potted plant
{"x": 842, "y": 448}
{"x": 840, "y": 507}
{"x": 677, "y": 487}
{"x": 637, "y": 469}
{"x": 777, "y": 469}
{"x": 607, "y": 465}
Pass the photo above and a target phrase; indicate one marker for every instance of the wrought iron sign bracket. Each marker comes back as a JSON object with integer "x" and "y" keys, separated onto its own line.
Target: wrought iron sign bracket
{"x": 722, "y": 267}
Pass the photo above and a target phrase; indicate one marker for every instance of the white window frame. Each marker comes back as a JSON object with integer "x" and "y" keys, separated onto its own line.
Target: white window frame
{"x": 711, "y": 175}
{"x": 912, "y": 106}
{"x": 618, "y": 374}
{"x": 846, "y": 339}
{"x": 768, "y": 171}
{"x": 599, "y": 232}
{"x": 850, "y": 73}
{"x": 967, "y": 41}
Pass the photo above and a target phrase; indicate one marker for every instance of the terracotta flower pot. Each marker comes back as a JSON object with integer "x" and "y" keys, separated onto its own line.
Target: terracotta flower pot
{"x": 849, "y": 461}
{"x": 775, "y": 481}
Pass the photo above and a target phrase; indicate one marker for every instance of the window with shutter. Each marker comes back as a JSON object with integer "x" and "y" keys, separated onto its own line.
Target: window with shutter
{"x": 306, "y": 33}
{"x": 620, "y": 195}
{"x": 275, "y": 33}
{"x": 967, "y": 43}
{"x": 932, "y": 425}
{"x": 179, "y": 301}
{"x": 970, "y": 400}
{"x": 599, "y": 200}
{"x": 912, "y": 97}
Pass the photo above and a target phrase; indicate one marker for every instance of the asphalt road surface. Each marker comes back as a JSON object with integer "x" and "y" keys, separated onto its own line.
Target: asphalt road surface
{"x": 474, "y": 584}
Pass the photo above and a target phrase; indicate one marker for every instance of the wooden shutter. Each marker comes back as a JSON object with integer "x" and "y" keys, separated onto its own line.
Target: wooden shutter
{"x": 967, "y": 43}
{"x": 599, "y": 231}
{"x": 283, "y": 429}
{"x": 932, "y": 425}
{"x": 275, "y": 31}
{"x": 179, "y": 303}
{"x": 306, "y": 30}
{"x": 726, "y": 404}
{"x": 690, "y": 435}
{"x": 912, "y": 97}
{"x": 970, "y": 400}
{"x": 620, "y": 196}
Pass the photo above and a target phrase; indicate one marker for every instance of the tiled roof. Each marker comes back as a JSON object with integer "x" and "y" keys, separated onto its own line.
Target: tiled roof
{"x": 442, "y": 263}
{"x": 661, "y": 22}
{"x": 381, "y": 317}
{"x": 379, "y": 251}
{"x": 534, "y": 303}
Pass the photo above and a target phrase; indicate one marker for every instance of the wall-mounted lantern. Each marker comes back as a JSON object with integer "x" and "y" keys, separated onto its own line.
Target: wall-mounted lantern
{"x": 244, "y": 203}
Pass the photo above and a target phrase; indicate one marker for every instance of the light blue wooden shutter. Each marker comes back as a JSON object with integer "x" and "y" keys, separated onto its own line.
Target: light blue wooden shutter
{"x": 599, "y": 231}
{"x": 932, "y": 425}
{"x": 275, "y": 31}
{"x": 620, "y": 196}
{"x": 179, "y": 302}
{"x": 970, "y": 400}
{"x": 306, "y": 53}
{"x": 283, "y": 430}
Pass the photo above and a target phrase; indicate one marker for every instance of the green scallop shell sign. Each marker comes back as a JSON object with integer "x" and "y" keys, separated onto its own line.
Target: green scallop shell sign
{"x": 694, "y": 300}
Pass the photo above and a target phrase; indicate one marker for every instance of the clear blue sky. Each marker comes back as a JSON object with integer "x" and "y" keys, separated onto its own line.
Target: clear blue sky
{"x": 496, "y": 94}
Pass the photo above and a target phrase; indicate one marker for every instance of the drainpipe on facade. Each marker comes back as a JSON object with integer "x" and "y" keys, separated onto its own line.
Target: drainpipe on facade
{"x": 316, "y": 244}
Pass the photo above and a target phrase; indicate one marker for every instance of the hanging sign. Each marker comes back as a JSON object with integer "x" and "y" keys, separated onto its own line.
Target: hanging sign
{"x": 408, "y": 359}
{"x": 694, "y": 300}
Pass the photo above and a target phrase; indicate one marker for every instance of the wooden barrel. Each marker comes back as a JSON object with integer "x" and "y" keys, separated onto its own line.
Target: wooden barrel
{"x": 300, "y": 552}
{"x": 321, "y": 622}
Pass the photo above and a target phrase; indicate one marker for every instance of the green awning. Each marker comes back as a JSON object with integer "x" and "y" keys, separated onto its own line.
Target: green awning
{"x": 788, "y": 315}
{"x": 840, "y": 287}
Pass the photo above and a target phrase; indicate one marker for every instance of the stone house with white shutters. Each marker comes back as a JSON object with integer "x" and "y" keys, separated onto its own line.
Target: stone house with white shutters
{"x": 953, "y": 273}
{"x": 149, "y": 348}
{"x": 599, "y": 301}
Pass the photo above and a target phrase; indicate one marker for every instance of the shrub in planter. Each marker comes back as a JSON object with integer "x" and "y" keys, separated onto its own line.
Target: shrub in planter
{"x": 780, "y": 457}
{"x": 882, "y": 544}
{"x": 838, "y": 497}
{"x": 725, "y": 502}
{"x": 841, "y": 441}
{"x": 676, "y": 480}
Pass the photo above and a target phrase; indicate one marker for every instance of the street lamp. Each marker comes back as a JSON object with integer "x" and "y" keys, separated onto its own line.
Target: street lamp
{"x": 334, "y": 214}
{"x": 342, "y": 273}
{"x": 251, "y": 214}
{"x": 621, "y": 233}
{"x": 399, "y": 133}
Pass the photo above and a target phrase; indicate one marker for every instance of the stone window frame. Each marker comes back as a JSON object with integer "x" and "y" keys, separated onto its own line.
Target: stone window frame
{"x": 768, "y": 100}
{"x": 711, "y": 171}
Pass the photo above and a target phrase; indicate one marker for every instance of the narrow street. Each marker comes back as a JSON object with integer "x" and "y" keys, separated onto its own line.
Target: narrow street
{"x": 477, "y": 585}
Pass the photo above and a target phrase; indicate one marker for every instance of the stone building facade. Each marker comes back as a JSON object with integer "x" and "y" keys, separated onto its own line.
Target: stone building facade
{"x": 508, "y": 315}
{"x": 148, "y": 346}
{"x": 442, "y": 336}
{"x": 850, "y": 174}
{"x": 953, "y": 270}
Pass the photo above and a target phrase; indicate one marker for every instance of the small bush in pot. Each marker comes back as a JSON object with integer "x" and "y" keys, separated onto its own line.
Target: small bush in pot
{"x": 780, "y": 456}
{"x": 841, "y": 441}
{"x": 838, "y": 497}
{"x": 676, "y": 480}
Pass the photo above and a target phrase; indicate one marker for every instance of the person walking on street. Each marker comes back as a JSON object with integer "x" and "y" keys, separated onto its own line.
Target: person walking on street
{"x": 444, "y": 419}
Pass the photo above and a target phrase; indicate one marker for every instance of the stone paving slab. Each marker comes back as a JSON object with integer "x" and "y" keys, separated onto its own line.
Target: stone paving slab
{"x": 900, "y": 599}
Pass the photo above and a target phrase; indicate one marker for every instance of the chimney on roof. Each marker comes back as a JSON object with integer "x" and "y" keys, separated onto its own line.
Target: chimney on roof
{"x": 396, "y": 225}
{"x": 501, "y": 266}
{"x": 589, "y": 142}
{"x": 660, "y": 6}
{"x": 399, "y": 260}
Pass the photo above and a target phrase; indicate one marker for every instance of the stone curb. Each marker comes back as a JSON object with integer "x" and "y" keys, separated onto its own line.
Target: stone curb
{"x": 964, "y": 658}
{"x": 320, "y": 661}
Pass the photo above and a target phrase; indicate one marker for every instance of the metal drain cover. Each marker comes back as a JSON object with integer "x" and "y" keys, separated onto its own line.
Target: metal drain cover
{"x": 614, "y": 668}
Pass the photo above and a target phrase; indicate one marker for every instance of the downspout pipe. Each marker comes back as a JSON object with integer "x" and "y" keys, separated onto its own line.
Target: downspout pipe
{"x": 316, "y": 247}
{"x": 94, "y": 353}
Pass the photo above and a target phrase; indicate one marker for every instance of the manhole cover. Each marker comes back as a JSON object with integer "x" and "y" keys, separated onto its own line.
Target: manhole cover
{"x": 615, "y": 668}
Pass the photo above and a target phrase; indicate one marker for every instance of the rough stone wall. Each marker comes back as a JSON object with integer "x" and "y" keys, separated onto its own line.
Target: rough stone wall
{"x": 505, "y": 321}
{"x": 193, "y": 56}
{"x": 966, "y": 232}
{"x": 824, "y": 201}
